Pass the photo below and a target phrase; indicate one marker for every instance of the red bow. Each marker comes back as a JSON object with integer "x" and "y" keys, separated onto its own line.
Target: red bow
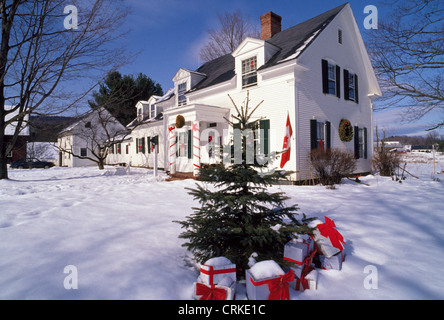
{"x": 170, "y": 129}
{"x": 279, "y": 287}
{"x": 210, "y": 293}
{"x": 328, "y": 230}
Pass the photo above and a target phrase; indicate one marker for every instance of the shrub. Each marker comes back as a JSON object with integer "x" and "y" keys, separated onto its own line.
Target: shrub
{"x": 385, "y": 161}
{"x": 332, "y": 165}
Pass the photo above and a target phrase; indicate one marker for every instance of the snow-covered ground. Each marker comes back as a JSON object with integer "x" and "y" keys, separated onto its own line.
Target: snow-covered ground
{"x": 116, "y": 229}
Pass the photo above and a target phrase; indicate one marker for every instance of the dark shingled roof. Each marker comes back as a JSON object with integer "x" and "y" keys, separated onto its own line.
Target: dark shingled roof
{"x": 289, "y": 41}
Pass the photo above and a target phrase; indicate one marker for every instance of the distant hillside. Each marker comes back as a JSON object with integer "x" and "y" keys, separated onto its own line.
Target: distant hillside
{"x": 46, "y": 128}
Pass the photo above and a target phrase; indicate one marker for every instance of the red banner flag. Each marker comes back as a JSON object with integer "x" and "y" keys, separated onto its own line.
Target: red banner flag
{"x": 287, "y": 143}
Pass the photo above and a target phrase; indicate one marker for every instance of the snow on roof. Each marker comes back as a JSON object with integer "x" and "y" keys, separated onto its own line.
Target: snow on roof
{"x": 166, "y": 96}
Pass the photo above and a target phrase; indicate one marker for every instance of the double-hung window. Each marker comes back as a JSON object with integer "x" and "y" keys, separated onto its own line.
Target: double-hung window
{"x": 351, "y": 86}
{"x": 152, "y": 111}
{"x": 320, "y": 135}
{"x": 249, "y": 72}
{"x": 361, "y": 148}
{"x": 181, "y": 89}
{"x": 331, "y": 79}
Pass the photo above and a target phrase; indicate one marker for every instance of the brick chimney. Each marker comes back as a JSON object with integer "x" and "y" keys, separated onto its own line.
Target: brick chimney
{"x": 270, "y": 25}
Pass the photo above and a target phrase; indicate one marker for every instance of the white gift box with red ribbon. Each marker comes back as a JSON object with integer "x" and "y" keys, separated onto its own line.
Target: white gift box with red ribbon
{"x": 216, "y": 269}
{"x": 328, "y": 240}
{"x": 297, "y": 250}
{"x": 225, "y": 290}
{"x": 267, "y": 281}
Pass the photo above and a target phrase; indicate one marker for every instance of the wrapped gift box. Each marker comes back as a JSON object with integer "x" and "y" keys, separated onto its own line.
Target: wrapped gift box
{"x": 225, "y": 290}
{"x": 216, "y": 269}
{"x": 297, "y": 250}
{"x": 328, "y": 240}
{"x": 267, "y": 281}
{"x": 308, "y": 282}
{"x": 332, "y": 263}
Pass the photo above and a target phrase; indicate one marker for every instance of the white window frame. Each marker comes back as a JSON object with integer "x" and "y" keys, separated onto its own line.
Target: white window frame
{"x": 361, "y": 143}
{"x": 181, "y": 98}
{"x": 351, "y": 86}
{"x": 249, "y": 71}
{"x": 182, "y": 137}
{"x": 331, "y": 70}
{"x": 320, "y": 135}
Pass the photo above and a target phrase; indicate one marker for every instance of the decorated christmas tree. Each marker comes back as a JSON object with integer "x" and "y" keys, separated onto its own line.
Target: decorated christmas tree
{"x": 238, "y": 216}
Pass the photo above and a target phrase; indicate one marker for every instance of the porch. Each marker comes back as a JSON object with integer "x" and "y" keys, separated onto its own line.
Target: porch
{"x": 195, "y": 134}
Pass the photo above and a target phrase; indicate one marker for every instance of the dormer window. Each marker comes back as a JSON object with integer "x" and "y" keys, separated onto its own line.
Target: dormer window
{"x": 249, "y": 72}
{"x": 181, "y": 89}
{"x": 152, "y": 111}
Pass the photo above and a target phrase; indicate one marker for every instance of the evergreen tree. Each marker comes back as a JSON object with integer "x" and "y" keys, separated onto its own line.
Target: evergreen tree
{"x": 120, "y": 94}
{"x": 238, "y": 215}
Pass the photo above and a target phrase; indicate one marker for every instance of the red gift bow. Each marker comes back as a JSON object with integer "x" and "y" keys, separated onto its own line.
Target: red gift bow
{"x": 328, "y": 230}
{"x": 279, "y": 287}
{"x": 210, "y": 293}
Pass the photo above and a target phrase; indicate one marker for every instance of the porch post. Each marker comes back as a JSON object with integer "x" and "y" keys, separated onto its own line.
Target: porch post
{"x": 196, "y": 147}
{"x": 172, "y": 148}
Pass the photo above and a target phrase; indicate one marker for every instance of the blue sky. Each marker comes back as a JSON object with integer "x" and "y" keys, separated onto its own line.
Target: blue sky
{"x": 169, "y": 34}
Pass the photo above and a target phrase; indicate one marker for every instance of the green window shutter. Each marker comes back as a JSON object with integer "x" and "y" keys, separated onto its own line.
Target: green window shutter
{"x": 265, "y": 128}
{"x": 137, "y": 145}
{"x": 338, "y": 81}
{"x": 365, "y": 143}
{"x": 324, "y": 76}
{"x": 190, "y": 145}
{"x": 356, "y": 136}
{"x": 313, "y": 134}
{"x": 346, "y": 88}
{"x": 148, "y": 142}
{"x": 356, "y": 89}
{"x": 328, "y": 135}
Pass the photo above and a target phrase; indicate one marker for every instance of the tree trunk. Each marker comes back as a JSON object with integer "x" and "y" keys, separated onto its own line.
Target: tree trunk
{"x": 101, "y": 164}
{"x": 3, "y": 167}
{"x": 3, "y": 155}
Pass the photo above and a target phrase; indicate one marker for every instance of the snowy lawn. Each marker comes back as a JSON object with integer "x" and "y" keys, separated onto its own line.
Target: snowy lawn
{"x": 117, "y": 230}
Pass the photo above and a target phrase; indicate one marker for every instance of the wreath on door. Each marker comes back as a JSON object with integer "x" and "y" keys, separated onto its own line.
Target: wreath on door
{"x": 345, "y": 130}
{"x": 180, "y": 121}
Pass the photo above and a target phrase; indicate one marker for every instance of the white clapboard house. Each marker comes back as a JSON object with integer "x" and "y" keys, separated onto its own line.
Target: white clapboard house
{"x": 315, "y": 73}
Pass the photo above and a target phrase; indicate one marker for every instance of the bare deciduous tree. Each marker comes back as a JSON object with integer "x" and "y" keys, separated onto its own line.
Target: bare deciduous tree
{"x": 407, "y": 51}
{"x": 234, "y": 28}
{"x": 97, "y": 132}
{"x": 45, "y": 66}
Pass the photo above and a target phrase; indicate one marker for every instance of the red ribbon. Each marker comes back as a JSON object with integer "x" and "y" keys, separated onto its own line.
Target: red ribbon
{"x": 212, "y": 272}
{"x": 210, "y": 293}
{"x": 328, "y": 230}
{"x": 279, "y": 287}
{"x": 307, "y": 269}
{"x": 299, "y": 262}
